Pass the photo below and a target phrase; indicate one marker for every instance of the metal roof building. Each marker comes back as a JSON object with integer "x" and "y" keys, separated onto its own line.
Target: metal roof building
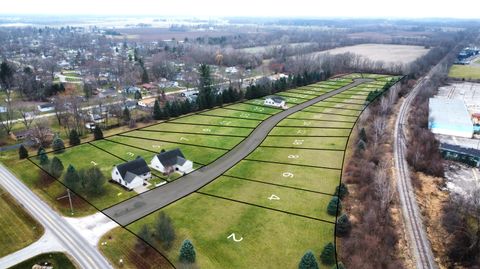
{"x": 449, "y": 117}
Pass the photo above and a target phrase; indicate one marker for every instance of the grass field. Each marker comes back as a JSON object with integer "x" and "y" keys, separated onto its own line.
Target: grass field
{"x": 320, "y": 116}
{"x": 318, "y": 124}
{"x": 55, "y": 259}
{"x": 464, "y": 72}
{"x": 268, "y": 237}
{"x": 294, "y": 131}
{"x": 306, "y": 142}
{"x": 222, "y": 112}
{"x": 217, "y": 121}
{"x": 17, "y": 228}
{"x": 198, "y": 129}
{"x": 254, "y": 108}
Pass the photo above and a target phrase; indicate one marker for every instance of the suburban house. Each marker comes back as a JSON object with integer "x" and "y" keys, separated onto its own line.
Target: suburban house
{"x": 171, "y": 161}
{"x": 147, "y": 102}
{"x": 148, "y": 86}
{"x": 131, "y": 90}
{"x": 275, "y": 101}
{"x": 46, "y": 107}
{"x": 131, "y": 174}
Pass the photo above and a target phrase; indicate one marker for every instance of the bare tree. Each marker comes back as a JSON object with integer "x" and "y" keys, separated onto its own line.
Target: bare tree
{"x": 28, "y": 115}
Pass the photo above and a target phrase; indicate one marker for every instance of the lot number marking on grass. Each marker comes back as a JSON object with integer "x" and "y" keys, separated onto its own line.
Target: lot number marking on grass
{"x": 287, "y": 174}
{"x": 183, "y": 138}
{"x": 234, "y": 238}
{"x": 130, "y": 154}
{"x": 207, "y": 130}
{"x": 292, "y": 156}
{"x": 94, "y": 163}
{"x": 244, "y": 115}
{"x": 273, "y": 197}
{"x": 225, "y": 122}
{"x": 301, "y": 131}
{"x": 259, "y": 109}
{"x": 307, "y": 123}
{"x": 298, "y": 142}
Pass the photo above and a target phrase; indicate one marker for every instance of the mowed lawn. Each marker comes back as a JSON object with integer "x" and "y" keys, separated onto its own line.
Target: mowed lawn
{"x": 299, "y": 131}
{"x": 294, "y": 201}
{"x": 336, "y": 104}
{"x": 17, "y": 228}
{"x": 254, "y": 108}
{"x": 311, "y": 178}
{"x": 464, "y": 71}
{"x": 200, "y": 155}
{"x": 332, "y": 110}
{"x": 320, "y": 116}
{"x": 214, "y": 141}
{"x": 310, "y": 157}
{"x": 269, "y": 239}
{"x": 217, "y": 121}
{"x": 317, "y": 124}
{"x": 85, "y": 156}
{"x": 338, "y": 143}
{"x": 198, "y": 129}
{"x": 224, "y": 112}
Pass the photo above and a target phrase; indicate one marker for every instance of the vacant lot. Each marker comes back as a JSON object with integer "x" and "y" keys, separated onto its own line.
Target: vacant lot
{"x": 464, "y": 72}
{"x": 17, "y": 228}
{"x": 56, "y": 259}
{"x": 394, "y": 54}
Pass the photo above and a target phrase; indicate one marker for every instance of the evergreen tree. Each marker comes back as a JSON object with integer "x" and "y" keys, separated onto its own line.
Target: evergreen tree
{"x": 341, "y": 191}
{"x": 43, "y": 157}
{"x": 332, "y": 206}
{"x": 56, "y": 167}
{"x": 145, "y": 78}
{"x": 144, "y": 235}
{"x": 73, "y": 138}
{"x": 328, "y": 254}
{"x": 126, "y": 115}
{"x": 95, "y": 180}
{"x": 138, "y": 95}
{"x": 164, "y": 230}
{"x": 22, "y": 152}
{"x": 206, "y": 97}
{"x": 308, "y": 261}
{"x": 363, "y": 135}
{"x": 343, "y": 226}
{"x": 71, "y": 178}
{"x": 40, "y": 150}
{"x": 157, "y": 111}
{"x": 97, "y": 133}
{"x": 57, "y": 145}
{"x": 187, "y": 252}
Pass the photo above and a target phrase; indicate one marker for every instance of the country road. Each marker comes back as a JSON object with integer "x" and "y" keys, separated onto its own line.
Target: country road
{"x": 85, "y": 254}
{"x": 130, "y": 210}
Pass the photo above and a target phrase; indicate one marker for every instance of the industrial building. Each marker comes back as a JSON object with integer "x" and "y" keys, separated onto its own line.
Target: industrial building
{"x": 449, "y": 117}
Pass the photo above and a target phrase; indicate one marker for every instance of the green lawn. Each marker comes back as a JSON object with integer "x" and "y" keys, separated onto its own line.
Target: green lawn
{"x": 212, "y": 120}
{"x": 464, "y": 72}
{"x": 222, "y": 112}
{"x": 335, "y": 104}
{"x": 294, "y": 131}
{"x": 315, "y": 179}
{"x": 338, "y": 143}
{"x": 339, "y": 111}
{"x": 319, "y": 158}
{"x": 319, "y": 116}
{"x": 216, "y": 141}
{"x": 196, "y": 154}
{"x": 308, "y": 91}
{"x": 311, "y": 123}
{"x": 197, "y": 129}
{"x": 300, "y": 96}
{"x": 294, "y": 201}
{"x": 254, "y": 108}
{"x": 55, "y": 259}
{"x": 270, "y": 239}
{"x": 348, "y": 100}
{"x": 17, "y": 228}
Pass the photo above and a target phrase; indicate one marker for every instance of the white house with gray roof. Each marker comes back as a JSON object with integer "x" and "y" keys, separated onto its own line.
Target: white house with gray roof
{"x": 275, "y": 101}
{"x": 131, "y": 174}
{"x": 170, "y": 161}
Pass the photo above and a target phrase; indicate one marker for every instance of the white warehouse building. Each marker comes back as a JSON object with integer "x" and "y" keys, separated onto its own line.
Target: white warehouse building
{"x": 449, "y": 117}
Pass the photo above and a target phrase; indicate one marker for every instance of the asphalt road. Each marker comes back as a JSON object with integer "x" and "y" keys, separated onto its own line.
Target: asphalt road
{"x": 135, "y": 208}
{"x": 86, "y": 255}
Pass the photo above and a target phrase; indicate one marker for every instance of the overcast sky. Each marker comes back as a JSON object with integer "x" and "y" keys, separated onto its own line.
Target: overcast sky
{"x": 255, "y": 8}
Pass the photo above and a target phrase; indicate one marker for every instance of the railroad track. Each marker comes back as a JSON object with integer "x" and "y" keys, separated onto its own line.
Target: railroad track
{"x": 419, "y": 243}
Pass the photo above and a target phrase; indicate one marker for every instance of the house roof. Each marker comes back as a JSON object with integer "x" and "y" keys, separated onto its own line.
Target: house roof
{"x": 131, "y": 169}
{"x": 171, "y": 157}
{"x": 276, "y": 99}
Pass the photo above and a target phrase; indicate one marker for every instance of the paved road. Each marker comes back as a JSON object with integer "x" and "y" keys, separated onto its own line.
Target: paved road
{"x": 86, "y": 255}
{"x": 419, "y": 243}
{"x": 127, "y": 212}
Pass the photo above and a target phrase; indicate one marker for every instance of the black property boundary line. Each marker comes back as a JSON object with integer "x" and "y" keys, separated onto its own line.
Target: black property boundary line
{"x": 248, "y": 111}
{"x": 289, "y": 147}
{"x": 149, "y": 150}
{"x": 180, "y": 143}
{"x": 277, "y": 185}
{"x": 328, "y": 113}
{"x": 188, "y": 133}
{"x": 341, "y": 103}
{"x": 264, "y": 207}
{"x": 90, "y": 204}
{"x": 304, "y": 165}
{"x": 228, "y": 117}
{"x": 213, "y": 125}
{"x": 343, "y": 163}
{"x": 305, "y": 119}
{"x": 350, "y": 103}
{"x": 357, "y": 110}
{"x": 194, "y": 124}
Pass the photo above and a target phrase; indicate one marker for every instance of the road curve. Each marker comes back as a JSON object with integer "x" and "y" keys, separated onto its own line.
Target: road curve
{"x": 419, "y": 243}
{"x": 86, "y": 255}
{"x": 135, "y": 208}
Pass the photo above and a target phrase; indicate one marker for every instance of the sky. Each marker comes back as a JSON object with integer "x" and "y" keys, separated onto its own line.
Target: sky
{"x": 250, "y": 8}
